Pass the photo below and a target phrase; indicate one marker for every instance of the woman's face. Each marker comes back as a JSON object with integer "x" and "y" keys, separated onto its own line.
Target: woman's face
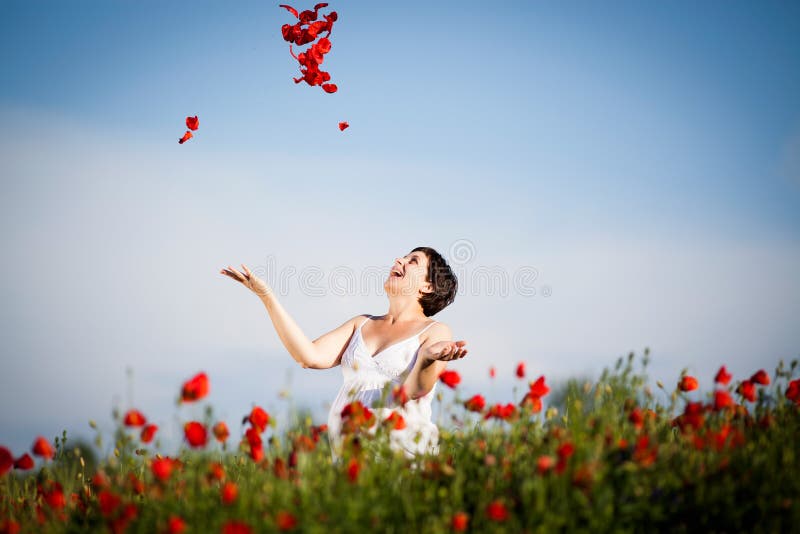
{"x": 408, "y": 275}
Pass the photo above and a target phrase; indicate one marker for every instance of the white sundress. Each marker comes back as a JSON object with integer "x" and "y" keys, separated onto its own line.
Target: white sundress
{"x": 365, "y": 376}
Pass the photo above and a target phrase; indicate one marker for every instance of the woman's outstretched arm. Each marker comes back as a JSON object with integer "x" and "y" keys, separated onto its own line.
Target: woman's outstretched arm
{"x": 432, "y": 359}
{"x": 322, "y": 353}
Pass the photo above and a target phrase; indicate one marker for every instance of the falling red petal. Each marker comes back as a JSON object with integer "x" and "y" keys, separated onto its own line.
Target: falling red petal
{"x": 343, "y": 126}
{"x": 330, "y": 87}
{"x": 290, "y": 9}
{"x": 192, "y": 122}
{"x": 188, "y": 135}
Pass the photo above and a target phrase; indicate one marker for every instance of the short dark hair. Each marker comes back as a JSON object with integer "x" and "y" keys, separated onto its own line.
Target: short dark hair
{"x": 444, "y": 282}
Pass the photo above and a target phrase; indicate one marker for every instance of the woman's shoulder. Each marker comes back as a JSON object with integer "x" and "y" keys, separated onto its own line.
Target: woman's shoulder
{"x": 438, "y": 331}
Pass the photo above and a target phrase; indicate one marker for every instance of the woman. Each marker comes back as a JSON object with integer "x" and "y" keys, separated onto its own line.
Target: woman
{"x": 402, "y": 348}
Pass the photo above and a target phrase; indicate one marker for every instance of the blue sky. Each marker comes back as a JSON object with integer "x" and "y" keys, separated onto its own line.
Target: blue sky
{"x": 643, "y": 158}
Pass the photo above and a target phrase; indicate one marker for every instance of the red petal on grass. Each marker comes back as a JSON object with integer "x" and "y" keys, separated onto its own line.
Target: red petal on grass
{"x": 330, "y": 87}
{"x": 192, "y": 122}
{"x": 197, "y": 387}
{"x": 188, "y": 135}
{"x": 343, "y": 126}
{"x": 290, "y": 9}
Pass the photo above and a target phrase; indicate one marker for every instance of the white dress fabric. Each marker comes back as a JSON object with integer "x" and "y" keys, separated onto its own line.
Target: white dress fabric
{"x": 365, "y": 376}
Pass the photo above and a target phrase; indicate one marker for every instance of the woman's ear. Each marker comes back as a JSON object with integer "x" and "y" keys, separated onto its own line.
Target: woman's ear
{"x": 427, "y": 288}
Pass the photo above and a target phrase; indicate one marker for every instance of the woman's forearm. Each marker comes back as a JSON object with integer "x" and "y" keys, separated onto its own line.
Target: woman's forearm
{"x": 424, "y": 376}
{"x": 296, "y": 342}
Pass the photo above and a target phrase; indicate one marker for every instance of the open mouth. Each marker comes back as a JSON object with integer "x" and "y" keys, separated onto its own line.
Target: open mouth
{"x": 396, "y": 273}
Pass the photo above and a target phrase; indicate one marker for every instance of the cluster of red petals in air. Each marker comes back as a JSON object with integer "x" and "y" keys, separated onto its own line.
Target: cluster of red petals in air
{"x": 192, "y": 123}
{"x": 305, "y": 31}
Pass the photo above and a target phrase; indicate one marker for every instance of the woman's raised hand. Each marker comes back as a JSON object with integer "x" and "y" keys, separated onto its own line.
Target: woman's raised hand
{"x": 447, "y": 350}
{"x": 248, "y": 279}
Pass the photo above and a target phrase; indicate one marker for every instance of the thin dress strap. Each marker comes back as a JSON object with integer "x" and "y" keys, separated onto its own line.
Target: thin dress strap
{"x": 430, "y": 325}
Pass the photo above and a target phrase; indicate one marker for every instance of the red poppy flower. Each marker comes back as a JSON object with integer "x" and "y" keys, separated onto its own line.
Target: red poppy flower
{"x": 216, "y": 471}
{"x": 23, "y": 463}
{"x": 42, "y": 447}
{"x": 636, "y": 418}
{"x": 6, "y": 461}
{"x": 399, "y": 393}
{"x": 475, "y": 404}
{"x": 520, "y": 370}
{"x": 9, "y": 526}
{"x": 687, "y": 383}
{"x": 285, "y": 520}
{"x": 395, "y": 421}
{"x": 539, "y": 388}
{"x": 221, "y": 431}
{"x": 257, "y": 453}
{"x": 253, "y": 437}
{"x": 134, "y": 418}
{"x": 343, "y": 126}
{"x": 236, "y": 527}
{"x": 565, "y": 450}
{"x": 723, "y": 376}
{"x": 793, "y": 391}
{"x": 460, "y": 522}
{"x": 188, "y": 135}
{"x": 450, "y": 378}
{"x": 176, "y": 525}
{"x": 761, "y": 377}
{"x": 496, "y": 511}
{"x": 54, "y": 496}
{"x": 192, "y": 122}
{"x": 109, "y": 502}
{"x": 534, "y": 402}
{"x": 195, "y": 389}
{"x": 229, "y": 492}
{"x": 353, "y": 467}
{"x": 747, "y": 390}
{"x": 195, "y": 434}
{"x": 722, "y": 399}
{"x": 162, "y": 468}
{"x": 544, "y": 464}
{"x": 148, "y": 432}
{"x": 499, "y": 411}
{"x": 354, "y": 416}
{"x": 259, "y": 418}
